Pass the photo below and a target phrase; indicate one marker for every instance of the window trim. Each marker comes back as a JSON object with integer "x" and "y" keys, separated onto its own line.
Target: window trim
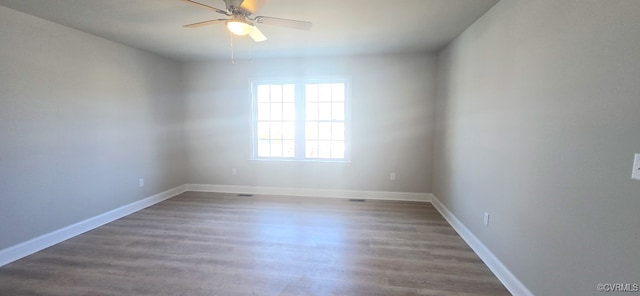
{"x": 300, "y": 101}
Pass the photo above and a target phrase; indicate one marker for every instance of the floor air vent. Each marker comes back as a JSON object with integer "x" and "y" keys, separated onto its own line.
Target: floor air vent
{"x": 357, "y": 200}
{"x": 244, "y": 194}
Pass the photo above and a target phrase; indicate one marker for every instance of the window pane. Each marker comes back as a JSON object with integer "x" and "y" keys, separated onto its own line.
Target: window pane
{"x": 324, "y": 149}
{"x": 324, "y": 111}
{"x": 312, "y": 111}
{"x": 288, "y": 131}
{"x": 276, "y": 111}
{"x": 263, "y": 130}
{"x": 337, "y": 149}
{"x": 288, "y": 93}
{"x": 311, "y": 149}
{"x": 279, "y": 116}
{"x": 324, "y": 131}
{"x": 337, "y": 131}
{"x": 264, "y": 148}
{"x": 324, "y": 92}
{"x": 276, "y": 148}
{"x": 337, "y": 92}
{"x": 288, "y": 148}
{"x": 264, "y": 111}
{"x": 311, "y": 130}
{"x": 263, "y": 93}
{"x": 276, "y": 130}
{"x": 288, "y": 111}
{"x": 276, "y": 93}
{"x": 337, "y": 111}
{"x": 311, "y": 91}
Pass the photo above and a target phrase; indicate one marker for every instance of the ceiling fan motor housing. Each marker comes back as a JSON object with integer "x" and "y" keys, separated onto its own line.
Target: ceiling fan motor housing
{"x": 233, "y": 6}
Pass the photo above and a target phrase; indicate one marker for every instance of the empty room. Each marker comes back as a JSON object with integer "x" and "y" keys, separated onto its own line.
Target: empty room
{"x": 281, "y": 147}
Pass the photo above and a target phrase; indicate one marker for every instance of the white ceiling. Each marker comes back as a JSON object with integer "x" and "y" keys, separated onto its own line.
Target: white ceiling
{"x": 339, "y": 26}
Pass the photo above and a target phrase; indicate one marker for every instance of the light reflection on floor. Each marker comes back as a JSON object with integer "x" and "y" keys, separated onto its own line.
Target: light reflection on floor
{"x": 319, "y": 233}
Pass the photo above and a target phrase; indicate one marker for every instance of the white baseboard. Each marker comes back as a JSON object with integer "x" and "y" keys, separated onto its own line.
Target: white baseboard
{"x": 311, "y": 192}
{"x": 508, "y": 279}
{"x": 24, "y": 249}
{"x": 29, "y": 247}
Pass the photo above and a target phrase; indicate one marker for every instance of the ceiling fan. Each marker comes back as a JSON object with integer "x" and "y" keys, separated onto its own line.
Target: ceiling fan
{"x": 241, "y": 21}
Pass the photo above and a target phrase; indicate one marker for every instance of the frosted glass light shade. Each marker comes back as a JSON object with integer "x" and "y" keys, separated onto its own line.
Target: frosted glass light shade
{"x": 239, "y": 28}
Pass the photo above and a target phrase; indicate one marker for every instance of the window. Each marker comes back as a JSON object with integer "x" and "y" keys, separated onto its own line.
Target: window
{"x": 300, "y": 120}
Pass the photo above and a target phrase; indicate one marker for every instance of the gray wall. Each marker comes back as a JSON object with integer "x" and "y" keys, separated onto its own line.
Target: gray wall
{"x": 81, "y": 119}
{"x": 538, "y": 120}
{"x": 392, "y": 110}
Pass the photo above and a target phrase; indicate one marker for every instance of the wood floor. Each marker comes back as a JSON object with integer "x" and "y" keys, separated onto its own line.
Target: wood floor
{"x": 222, "y": 244}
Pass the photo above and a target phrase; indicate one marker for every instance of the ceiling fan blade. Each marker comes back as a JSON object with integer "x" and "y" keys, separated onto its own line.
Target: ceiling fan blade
{"x": 302, "y": 25}
{"x": 207, "y": 7}
{"x": 256, "y": 35}
{"x": 252, "y": 5}
{"x": 205, "y": 23}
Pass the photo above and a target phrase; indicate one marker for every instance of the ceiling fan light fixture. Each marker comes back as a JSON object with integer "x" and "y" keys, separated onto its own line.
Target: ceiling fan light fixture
{"x": 241, "y": 21}
{"x": 239, "y": 27}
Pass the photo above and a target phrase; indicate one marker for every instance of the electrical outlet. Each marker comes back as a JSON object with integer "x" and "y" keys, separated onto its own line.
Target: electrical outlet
{"x": 486, "y": 219}
{"x": 141, "y": 182}
{"x": 234, "y": 171}
{"x": 636, "y": 167}
{"x": 392, "y": 176}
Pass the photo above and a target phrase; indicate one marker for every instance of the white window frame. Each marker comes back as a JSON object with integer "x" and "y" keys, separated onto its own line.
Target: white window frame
{"x": 300, "y": 118}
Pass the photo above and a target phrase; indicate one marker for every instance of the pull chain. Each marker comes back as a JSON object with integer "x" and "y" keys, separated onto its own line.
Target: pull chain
{"x": 233, "y": 61}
